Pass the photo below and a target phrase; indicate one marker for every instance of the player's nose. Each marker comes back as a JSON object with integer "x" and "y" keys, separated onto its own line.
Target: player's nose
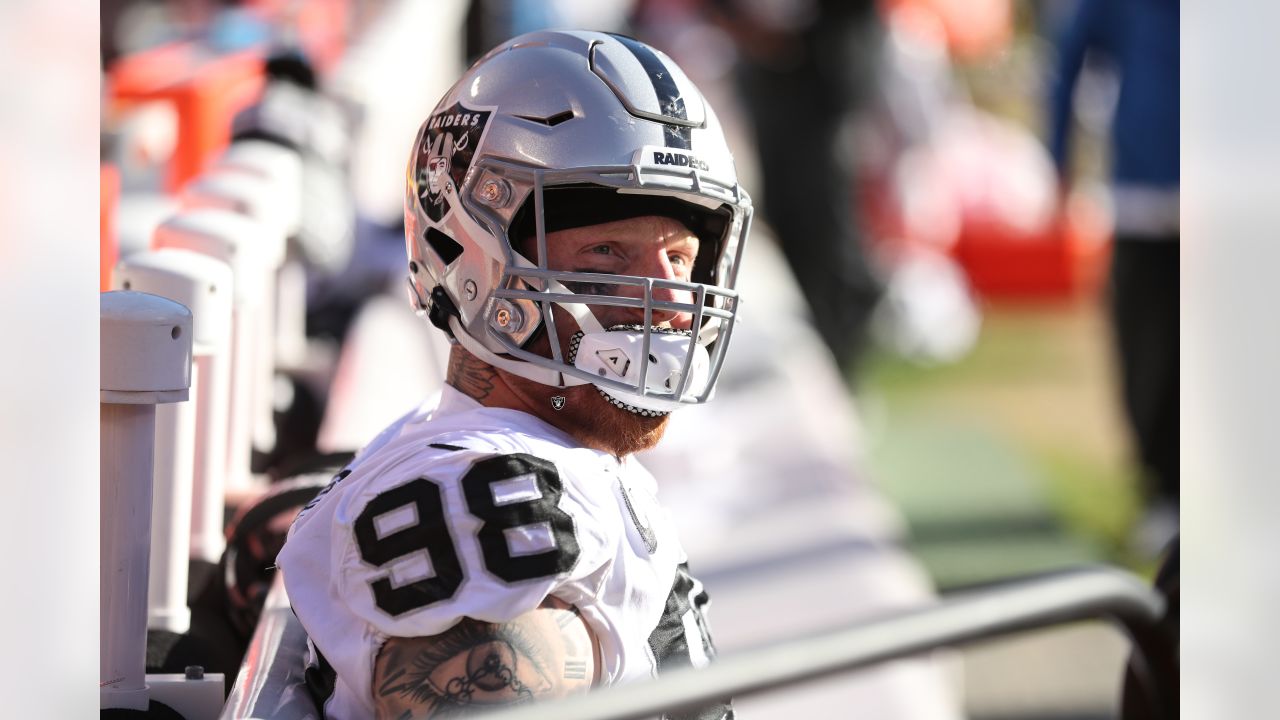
{"x": 658, "y": 265}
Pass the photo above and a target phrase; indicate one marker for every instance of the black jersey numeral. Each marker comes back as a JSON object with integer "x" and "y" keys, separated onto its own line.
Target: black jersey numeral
{"x": 479, "y": 485}
{"x": 423, "y": 528}
{"x": 427, "y": 532}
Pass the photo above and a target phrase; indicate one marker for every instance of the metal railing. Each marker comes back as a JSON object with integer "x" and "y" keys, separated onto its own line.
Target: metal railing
{"x": 978, "y": 614}
{"x": 269, "y": 685}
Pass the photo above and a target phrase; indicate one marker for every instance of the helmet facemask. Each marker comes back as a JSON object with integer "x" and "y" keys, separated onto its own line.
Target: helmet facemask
{"x": 639, "y": 364}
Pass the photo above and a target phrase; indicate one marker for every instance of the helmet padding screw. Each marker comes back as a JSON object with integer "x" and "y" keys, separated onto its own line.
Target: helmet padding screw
{"x": 508, "y": 317}
{"x": 494, "y": 193}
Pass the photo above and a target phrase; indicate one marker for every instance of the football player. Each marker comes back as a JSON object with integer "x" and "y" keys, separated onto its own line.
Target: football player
{"x": 574, "y": 224}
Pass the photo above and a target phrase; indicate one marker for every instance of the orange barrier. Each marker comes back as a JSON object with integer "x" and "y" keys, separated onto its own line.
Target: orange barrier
{"x": 109, "y": 198}
{"x": 206, "y": 91}
{"x": 983, "y": 190}
{"x": 1067, "y": 259}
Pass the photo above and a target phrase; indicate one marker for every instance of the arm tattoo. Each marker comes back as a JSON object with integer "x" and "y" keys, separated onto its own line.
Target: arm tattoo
{"x": 469, "y": 375}
{"x": 490, "y": 653}
{"x": 475, "y": 665}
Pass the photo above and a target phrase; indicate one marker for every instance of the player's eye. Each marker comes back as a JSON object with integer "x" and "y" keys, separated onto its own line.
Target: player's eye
{"x": 605, "y": 256}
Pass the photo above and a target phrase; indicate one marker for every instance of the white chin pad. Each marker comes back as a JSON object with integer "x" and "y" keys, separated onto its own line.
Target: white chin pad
{"x": 615, "y": 354}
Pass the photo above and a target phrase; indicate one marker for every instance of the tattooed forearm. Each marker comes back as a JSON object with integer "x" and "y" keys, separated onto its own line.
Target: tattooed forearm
{"x": 475, "y": 665}
{"x": 575, "y": 669}
{"x": 469, "y": 375}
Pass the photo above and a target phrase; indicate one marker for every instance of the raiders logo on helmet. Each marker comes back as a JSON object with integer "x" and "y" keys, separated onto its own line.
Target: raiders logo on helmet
{"x": 444, "y": 155}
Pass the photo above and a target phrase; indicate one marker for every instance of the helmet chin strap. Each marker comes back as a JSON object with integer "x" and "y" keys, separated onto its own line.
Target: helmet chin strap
{"x": 620, "y": 354}
{"x": 580, "y": 312}
{"x": 526, "y": 370}
{"x": 590, "y": 327}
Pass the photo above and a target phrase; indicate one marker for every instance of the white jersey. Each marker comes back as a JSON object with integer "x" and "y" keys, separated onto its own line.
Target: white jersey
{"x": 468, "y": 511}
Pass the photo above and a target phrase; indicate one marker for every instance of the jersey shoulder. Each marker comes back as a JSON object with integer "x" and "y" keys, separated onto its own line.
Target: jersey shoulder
{"x": 433, "y": 528}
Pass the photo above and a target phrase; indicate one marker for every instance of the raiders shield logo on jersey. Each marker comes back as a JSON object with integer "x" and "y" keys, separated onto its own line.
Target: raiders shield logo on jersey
{"x": 639, "y": 518}
{"x": 557, "y": 402}
{"x": 452, "y": 138}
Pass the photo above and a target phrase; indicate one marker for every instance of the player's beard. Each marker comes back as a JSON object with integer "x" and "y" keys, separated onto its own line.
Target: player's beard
{"x": 586, "y": 414}
{"x": 591, "y": 419}
{"x": 598, "y": 423}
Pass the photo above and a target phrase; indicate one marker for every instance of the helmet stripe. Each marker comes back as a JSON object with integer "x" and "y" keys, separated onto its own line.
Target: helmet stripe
{"x": 670, "y": 100}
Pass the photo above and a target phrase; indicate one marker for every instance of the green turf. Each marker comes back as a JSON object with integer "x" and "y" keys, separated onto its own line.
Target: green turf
{"x": 1007, "y": 461}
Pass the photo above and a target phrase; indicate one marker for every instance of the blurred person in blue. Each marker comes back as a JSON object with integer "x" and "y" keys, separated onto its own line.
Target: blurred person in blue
{"x": 1138, "y": 39}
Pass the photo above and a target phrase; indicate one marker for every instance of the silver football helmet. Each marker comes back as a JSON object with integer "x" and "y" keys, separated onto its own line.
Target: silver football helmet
{"x": 561, "y": 129}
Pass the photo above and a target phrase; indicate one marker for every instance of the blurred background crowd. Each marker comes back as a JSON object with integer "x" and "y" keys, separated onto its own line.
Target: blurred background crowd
{"x": 959, "y": 359}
